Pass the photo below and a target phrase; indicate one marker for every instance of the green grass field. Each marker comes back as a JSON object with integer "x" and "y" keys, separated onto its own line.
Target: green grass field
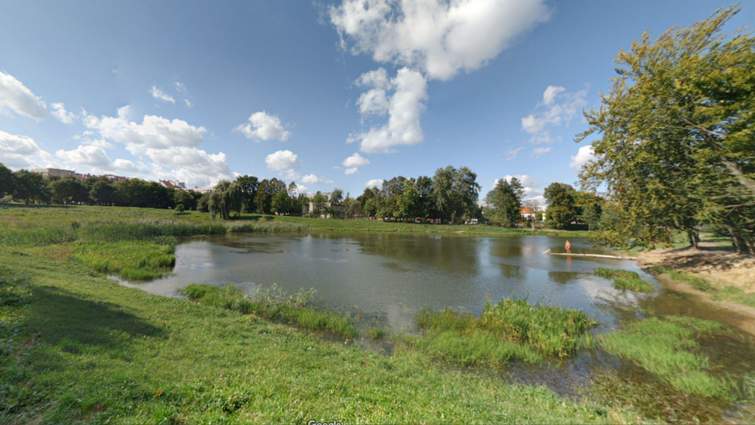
{"x": 624, "y": 280}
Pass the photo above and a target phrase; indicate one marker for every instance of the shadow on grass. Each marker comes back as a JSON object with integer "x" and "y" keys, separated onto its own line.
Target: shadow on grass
{"x": 58, "y": 317}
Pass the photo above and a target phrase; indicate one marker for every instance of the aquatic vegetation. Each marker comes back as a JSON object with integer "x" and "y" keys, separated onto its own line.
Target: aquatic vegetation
{"x": 666, "y": 347}
{"x": 508, "y": 330}
{"x": 132, "y": 260}
{"x": 376, "y": 333}
{"x": 624, "y": 279}
{"x": 271, "y": 304}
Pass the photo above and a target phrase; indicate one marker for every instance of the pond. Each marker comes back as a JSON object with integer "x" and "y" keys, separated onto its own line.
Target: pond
{"x": 385, "y": 279}
{"x": 389, "y": 278}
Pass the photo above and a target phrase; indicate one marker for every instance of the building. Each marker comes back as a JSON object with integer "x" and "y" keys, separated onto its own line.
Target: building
{"x": 56, "y": 173}
{"x": 528, "y": 213}
{"x": 173, "y": 184}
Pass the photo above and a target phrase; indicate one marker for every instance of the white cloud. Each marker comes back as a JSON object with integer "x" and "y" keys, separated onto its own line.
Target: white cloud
{"x": 59, "y": 112}
{"x": 513, "y": 153}
{"x": 540, "y": 151}
{"x": 282, "y": 161}
{"x": 310, "y": 179}
{"x": 532, "y": 191}
{"x": 404, "y": 110}
{"x": 550, "y": 93}
{"x": 18, "y": 151}
{"x": 437, "y": 36}
{"x": 188, "y": 103}
{"x": 558, "y": 107}
{"x": 180, "y": 87}
{"x": 263, "y": 126}
{"x": 15, "y": 97}
{"x": 353, "y": 162}
{"x": 161, "y": 95}
{"x": 374, "y": 183}
{"x": 584, "y": 155}
{"x": 169, "y": 148}
{"x": 86, "y": 155}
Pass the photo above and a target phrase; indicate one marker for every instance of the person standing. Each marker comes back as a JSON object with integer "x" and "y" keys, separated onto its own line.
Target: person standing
{"x": 567, "y": 247}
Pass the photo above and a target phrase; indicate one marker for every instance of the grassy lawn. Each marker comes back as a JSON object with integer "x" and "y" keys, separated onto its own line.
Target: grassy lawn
{"x": 77, "y": 348}
{"x": 726, "y": 293}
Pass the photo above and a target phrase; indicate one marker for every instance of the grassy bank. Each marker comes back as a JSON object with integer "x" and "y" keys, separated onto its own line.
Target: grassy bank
{"x": 76, "y": 348}
{"x": 624, "y": 280}
{"x": 509, "y": 330}
{"x": 726, "y": 293}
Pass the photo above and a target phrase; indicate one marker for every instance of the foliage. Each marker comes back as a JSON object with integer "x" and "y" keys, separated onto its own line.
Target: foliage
{"x": 624, "y": 279}
{"x": 504, "y": 202}
{"x": 676, "y": 130}
{"x": 132, "y": 260}
{"x": 667, "y": 348}
{"x": 562, "y": 205}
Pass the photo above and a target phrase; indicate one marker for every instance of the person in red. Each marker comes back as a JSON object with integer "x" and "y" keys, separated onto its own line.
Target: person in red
{"x": 567, "y": 247}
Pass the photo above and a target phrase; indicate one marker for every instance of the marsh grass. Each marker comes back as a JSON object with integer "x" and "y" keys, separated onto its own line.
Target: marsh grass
{"x": 509, "y": 330}
{"x": 273, "y": 304}
{"x": 667, "y": 348}
{"x": 624, "y": 280}
{"x": 132, "y": 260}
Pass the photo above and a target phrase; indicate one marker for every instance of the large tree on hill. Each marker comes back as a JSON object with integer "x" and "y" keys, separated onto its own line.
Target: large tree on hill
{"x": 676, "y": 135}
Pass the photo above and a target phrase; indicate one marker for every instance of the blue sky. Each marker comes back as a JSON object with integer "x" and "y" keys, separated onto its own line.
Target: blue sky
{"x": 199, "y": 91}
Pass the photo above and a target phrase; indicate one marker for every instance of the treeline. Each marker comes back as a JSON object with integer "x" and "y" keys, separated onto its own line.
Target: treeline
{"x": 32, "y": 188}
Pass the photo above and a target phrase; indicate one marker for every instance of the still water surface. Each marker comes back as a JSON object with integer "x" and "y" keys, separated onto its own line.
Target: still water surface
{"x": 391, "y": 277}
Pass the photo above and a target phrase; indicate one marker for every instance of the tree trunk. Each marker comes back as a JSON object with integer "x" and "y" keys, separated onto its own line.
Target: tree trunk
{"x": 693, "y": 238}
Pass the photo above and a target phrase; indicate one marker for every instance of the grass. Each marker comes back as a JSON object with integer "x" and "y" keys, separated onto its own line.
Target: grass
{"x": 667, "y": 348}
{"x": 509, "y": 330}
{"x": 142, "y": 260}
{"x": 624, "y": 280}
{"x": 273, "y": 305}
{"x": 76, "y": 348}
{"x": 727, "y": 293}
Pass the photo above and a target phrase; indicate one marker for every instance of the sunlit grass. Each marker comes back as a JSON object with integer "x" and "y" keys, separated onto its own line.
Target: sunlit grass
{"x": 505, "y": 331}
{"x": 274, "y": 305}
{"x": 624, "y": 279}
{"x": 132, "y": 260}
{"x": 666, "y": 347}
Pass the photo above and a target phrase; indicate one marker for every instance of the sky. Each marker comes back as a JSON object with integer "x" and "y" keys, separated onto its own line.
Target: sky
{"x": 324, "y": 93}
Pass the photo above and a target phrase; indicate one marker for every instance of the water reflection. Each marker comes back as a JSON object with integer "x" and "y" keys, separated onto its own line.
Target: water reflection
{"x": 394, "y": 276}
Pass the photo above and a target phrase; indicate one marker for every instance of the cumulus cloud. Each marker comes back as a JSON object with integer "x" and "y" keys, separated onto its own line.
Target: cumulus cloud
{"x": 353, "y": 162}
{"x": 16, "y": 98}
{"x": 584, "y": 155}
{"x": 409, "y": 91}
{"x": 437, "y": 36}
{"x": 310, "y": 179}
{"x": 558, "y": 107}
{"x": 374, "y": 183}
{"x": 158, "y": 94}
{"x": 59, "y": 112}
{"x": 170, "y": 148}
{"x": 283, "y": 162}
{"x": 17, "y": 151}
{"x": 263, "y": 126}
{"x": 90, "y": 155}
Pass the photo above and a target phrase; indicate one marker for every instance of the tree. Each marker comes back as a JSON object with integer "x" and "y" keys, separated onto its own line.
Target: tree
{"x": 30, "y": 187}
{"x": 281, "y": 203}
{"x": 562, "y": 209}
{"x": 675, "y": 147}
{"x": 68, "y": 190}
{"x": 103, "y": 192}
{"x": 248, "y": 186}
{"x": 335, "y": 207}
{"x": 589, "y": 209}
{"x": 505, "y": 202}
{"x": 6, "y": 180}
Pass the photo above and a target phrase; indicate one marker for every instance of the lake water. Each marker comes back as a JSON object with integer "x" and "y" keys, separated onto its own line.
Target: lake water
{"x": 384, "y": 280}
{"x": 389, "y": 278}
